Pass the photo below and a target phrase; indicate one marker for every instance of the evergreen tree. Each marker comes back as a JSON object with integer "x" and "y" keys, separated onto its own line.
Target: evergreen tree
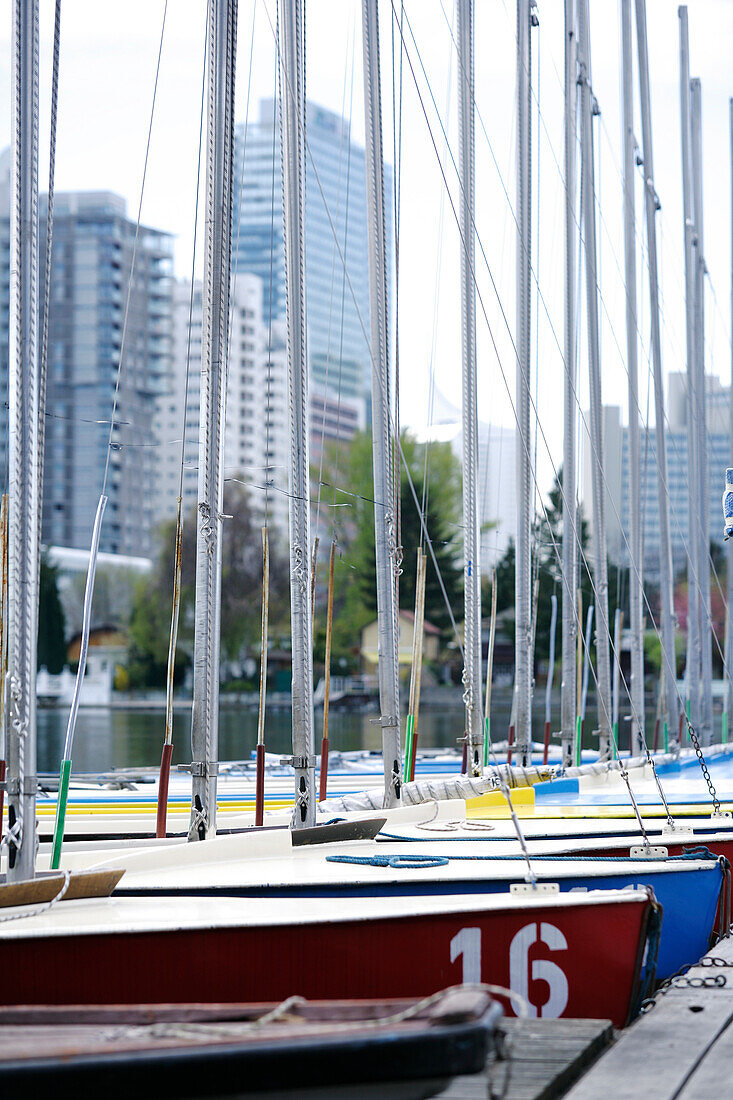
{"x": 347, "y": 489}
{"x": 51, "y": 652}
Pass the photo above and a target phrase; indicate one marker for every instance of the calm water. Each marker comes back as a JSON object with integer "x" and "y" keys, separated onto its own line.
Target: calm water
{"x": 133, "y": 738}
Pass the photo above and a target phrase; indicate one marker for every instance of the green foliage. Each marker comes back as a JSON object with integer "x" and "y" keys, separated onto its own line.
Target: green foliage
{"x": 547, "y": 546}
{"x": 51, "y": 622}
{"x": 653, "y": 651}
{"x": 355, "y": 598}
{"x": 241, "y": 589}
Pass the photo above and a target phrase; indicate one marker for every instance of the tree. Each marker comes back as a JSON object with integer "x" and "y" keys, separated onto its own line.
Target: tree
{"x": 547, "y": 553}
{"x": 240, "y": 593}
{"x": 51, "y": 623}
{"x": 348, "y": 486}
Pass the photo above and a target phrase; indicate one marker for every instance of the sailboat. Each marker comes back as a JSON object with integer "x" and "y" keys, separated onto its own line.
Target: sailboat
{"x": 253, "y": 946}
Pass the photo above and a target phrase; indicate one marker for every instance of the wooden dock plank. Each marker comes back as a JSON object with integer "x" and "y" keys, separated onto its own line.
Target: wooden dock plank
{"x": 544, "y": 1058}
{"x": 711, "y": 1079}
{"x": 682, "y": 1047}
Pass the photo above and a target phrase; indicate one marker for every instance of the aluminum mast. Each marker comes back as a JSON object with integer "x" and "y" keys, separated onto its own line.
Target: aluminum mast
{"x": 24, "y": 457}
{"x": 703, "y": 487}
{"x": 523, "y": 569}
{"x": 729, "y": 587}
{"x": 384, "y": 506}
{"x": 292, "y": 83}
{"x": 692, "y": 662}
{"x": 636, "y": 589}
{"x": 600, "y": 563}
{"x": 651, "y": 203}
{"x": 221, "y": 49}
{"x": 472, "y": 679}
{"x": 568, "y": 701}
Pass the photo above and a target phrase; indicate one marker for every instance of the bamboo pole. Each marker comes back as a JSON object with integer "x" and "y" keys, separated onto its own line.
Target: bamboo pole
{"x": 3, "y": 642}
{"x": 578, "y": 746}
{"x": 327, "y": 677}
{"x": 617, "y": 629}
{"x": 586, "y": 673}
{"x": 490, "y": 670}
{"x": 260, "y": 778}
{"x": 550, "y": 677}
{"x": 416, "y": 674}
{"x": 314, "y": 563}
{"x": 165, "y": 760}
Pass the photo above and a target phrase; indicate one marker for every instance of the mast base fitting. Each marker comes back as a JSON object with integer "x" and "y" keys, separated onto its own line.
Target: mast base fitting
{"x": 199, "y": 768}
{"x": 299, "y": 761}
{"x": 14, "y": 787}
{"x": 721, "y": 813}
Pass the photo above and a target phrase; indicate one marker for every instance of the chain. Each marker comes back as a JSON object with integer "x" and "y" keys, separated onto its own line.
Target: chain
{"x": 703, "y": 767}
{"x": 679, "y": 980}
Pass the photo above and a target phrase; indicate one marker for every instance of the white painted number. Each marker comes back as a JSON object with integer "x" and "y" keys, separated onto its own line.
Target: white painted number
{"x": 467, "y": 943}
{"x": 542, "y": 969}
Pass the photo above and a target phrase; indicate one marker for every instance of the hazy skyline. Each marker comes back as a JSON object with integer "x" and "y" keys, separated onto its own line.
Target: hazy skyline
{"x": 108, "y": 57}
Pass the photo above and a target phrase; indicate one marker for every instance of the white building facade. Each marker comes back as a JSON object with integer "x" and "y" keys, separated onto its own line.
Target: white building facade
{"x": 257, "y": 440}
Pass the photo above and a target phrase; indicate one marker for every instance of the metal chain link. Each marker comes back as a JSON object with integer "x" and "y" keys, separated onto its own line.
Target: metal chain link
{"x": 679, "y": 979}
{"x": 703, "y": 767}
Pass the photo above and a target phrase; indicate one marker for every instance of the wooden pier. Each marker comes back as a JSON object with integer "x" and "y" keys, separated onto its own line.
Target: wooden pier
{"x": 540, "y": 1060}
{"x": 681, "y": 1048}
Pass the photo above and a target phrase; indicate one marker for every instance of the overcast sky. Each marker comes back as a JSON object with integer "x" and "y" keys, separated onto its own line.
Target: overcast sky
{"x": 108, "y": 57}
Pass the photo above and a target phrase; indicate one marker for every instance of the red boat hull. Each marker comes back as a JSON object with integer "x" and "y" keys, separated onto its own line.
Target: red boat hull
{"x": 582, "y": 960}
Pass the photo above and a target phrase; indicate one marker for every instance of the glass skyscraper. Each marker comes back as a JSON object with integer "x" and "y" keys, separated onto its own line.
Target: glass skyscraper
{"x": 92, "y": 256}
{"x": 335, "y": 202}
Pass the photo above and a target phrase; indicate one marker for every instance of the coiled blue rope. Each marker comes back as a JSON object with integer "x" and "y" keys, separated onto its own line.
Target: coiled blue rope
{"x": 417, "y": 862}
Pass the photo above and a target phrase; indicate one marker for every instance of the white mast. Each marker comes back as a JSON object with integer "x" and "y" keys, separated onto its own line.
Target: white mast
{"x": 636, "y": 591}
{"x": 600, "y": 564}
{"x": 651, "y": 203}
{"x": 523, "y": 561}
{"x": 293, "y": 188}
{"x": 729, "y": 586}
{"x": 24, "y": 457}
{"x": 221, "y": 50}
{"x": 703, "y": 488}
{"x": 568, "y": 701}
{"x": 472, "y": 679}
{"x": 384, "y": 505}
{"x": 692, "y": 663}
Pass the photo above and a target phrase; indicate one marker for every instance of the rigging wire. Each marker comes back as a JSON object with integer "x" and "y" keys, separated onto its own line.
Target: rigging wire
{"x": 96, "y": 532}
{"x": 427, "y": 450}
{"x": 667, "y": 330}
{"x": 334, "y": 531}
{"x": 276, "y": 107}
{"x": 42, "y": 396}
{"x": 545, "y": 308}
{"x": 397, "y": 197}
{"x": 524, "y": 442}
{"x": 344, "y": 137}
{"x": 167, "y": 751}
{"x": 362, "y": 325}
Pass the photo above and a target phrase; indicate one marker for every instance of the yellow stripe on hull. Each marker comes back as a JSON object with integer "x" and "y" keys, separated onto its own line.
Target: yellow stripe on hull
{"x": 120, "y": 809}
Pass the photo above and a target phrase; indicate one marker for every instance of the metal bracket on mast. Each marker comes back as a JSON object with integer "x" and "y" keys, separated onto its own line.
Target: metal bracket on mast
{"x": 200, "y": 768}
{"x": 298, "y": 761}
{"x": 28, "y": 785}
{"x": 386, "y": 721}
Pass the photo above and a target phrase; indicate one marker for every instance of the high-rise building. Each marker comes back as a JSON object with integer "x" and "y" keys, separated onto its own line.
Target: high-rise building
{"x": 257, "y": 440}
{"x": 335, "y": 203}
{"x": 616, "y": 473}
{"x": 91, "y": 267}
